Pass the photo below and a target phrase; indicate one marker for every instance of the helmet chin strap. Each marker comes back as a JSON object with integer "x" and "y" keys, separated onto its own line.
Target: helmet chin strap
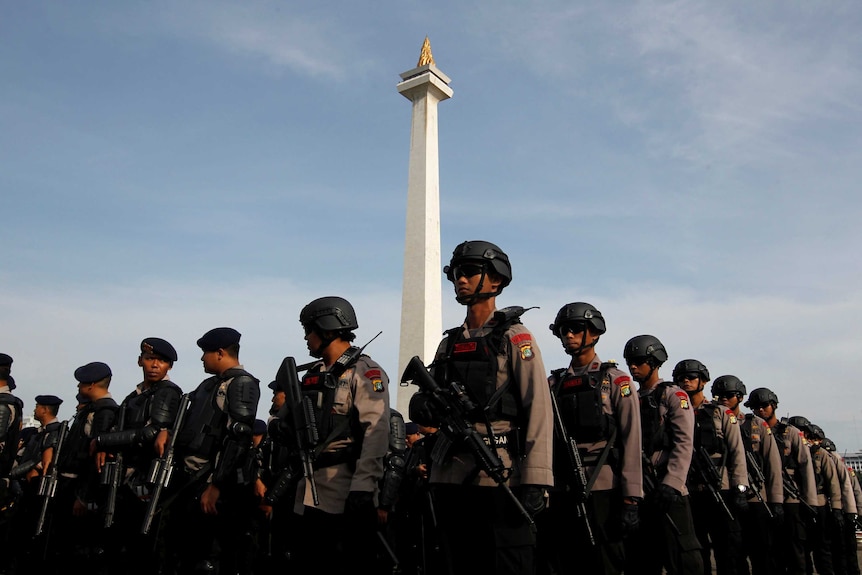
{"x": 477, "y": 295}
{"x": 324, "y": 343}
{"x": 582, "y": 348}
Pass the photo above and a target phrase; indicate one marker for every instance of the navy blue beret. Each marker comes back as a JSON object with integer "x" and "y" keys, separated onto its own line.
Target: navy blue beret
{"x": 411, "y": 428}
{"x": 273, "y": 385}
{"x": 5, "y": 359}
{"x": 48, "y": 400}
{"x": 10, "y": 381}
{"x": 219, "y": 338}
{"x": 92, "y": 372}
{"x": 160, "y": 347}
{"x": 259, "y": 427}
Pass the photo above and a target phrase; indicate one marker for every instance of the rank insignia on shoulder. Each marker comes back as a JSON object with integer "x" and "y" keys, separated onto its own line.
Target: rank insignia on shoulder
{"x": 377, "y": 385}
{"x": 527, "y": 352}
{"x": 732, "y": 417}
{"x": 625, "y": 390}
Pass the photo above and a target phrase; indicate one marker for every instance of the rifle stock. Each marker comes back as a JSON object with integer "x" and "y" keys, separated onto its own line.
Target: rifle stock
{"x": 48, "y": 481}
{"x": 452, "y": 408}
{"x": 163, "y": 466}
{"x": 710, "y": 476}
{"x": 756, "y": 479}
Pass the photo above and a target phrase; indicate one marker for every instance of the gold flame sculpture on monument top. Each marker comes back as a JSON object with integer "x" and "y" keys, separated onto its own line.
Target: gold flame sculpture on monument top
{"x": 425, "y": 56}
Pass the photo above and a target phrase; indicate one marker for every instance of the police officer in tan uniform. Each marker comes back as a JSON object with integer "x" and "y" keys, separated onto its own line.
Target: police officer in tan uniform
{"x": 494, "y": 360}
{"x": 666, "y": 537}
{"x": 844, "y": 533}
{"x": 829, "y": 511}
{"x": 349, "y": 395}
{"x": 718, "y": 477}
{"x": 800, "y": 493}
{"x": 607, "y": 434}
{"x": 766, "y": 493}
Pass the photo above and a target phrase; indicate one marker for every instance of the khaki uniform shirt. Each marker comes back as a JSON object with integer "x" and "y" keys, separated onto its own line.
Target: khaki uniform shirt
{"x": 620, "y": 402}
{"x": 522, "y": 368}
{"x": 828, "y": 487}
{"x": 365, "y": 387}
{"x": 848, "y": 499}
{"x": 672, "y": 463}
{"x": 770, "y": 456}
{"x": 796, "y": 457}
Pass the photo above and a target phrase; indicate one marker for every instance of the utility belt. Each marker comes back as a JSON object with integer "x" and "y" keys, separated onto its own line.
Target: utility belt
{"x": 591, "y": 459}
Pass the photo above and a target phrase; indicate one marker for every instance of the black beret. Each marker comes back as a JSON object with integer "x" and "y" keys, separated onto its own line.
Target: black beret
{"x": 10, "y": 381}
{"x": 219, "y": 338}
{"x": 274, "y": 385}
{"x": 92, "y": 372}
{"x": 160, "y": 347}
{"x": 411, "y": 428}
{"x": 259, "y": 427}
{"x": 5, "y": 359}
{"x": 48, "y": 400}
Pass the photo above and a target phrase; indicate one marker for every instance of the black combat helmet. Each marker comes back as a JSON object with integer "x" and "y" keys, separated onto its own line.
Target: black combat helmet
{"x": 799, "y": 422}
{"x": 645, "y": 346}
{"x": 728, "y": 384}
{"x": 761, "y": 396}
{"x": 484, "y": 253}
{"x": 329, "y": 314}
{"x": 690, "y": 366}
{"x": 814, "y": 432}
{"x": 579, "y": 312}
{"x": 828, "y": 444}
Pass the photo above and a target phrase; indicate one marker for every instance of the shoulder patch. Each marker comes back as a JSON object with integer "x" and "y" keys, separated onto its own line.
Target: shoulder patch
{"x": 521, "y": 338}
{"x": 373, "y": 373}
{"x": 377, "y": 385}
{"x": 731, "y": 416}
{"x": 683, "y": 399}
{"x": 623, "y": 379}
{"x": 526, "y": 351}
{"x": 625, "y": 389}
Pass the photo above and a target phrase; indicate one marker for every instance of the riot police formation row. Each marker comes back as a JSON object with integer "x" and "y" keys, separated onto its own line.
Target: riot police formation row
{"x": 584, "y": 468}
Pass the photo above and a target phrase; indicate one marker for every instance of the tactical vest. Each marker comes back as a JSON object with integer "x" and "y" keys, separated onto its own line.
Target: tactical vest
{"x": 705, "y": 433}
{"x": 76, "y": 451}
{"x": 745, "y": 431}
{"x": 205, "y": 425}
{"x": 579, "y": 398}
{"x": 10, "y": 446}
{"x": 656, "y": 436}
{"x": 779, "y": 432}
{"x": 473, "y": 364}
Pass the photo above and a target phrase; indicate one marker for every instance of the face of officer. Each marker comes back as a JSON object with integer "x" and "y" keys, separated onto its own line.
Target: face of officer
{"x": 473, "y": 279}
{"x": 578, "y": 339}
{"x": 729, "y": 399}
{"x": 690, "y": 383}
{"x": 277, "y": 401}
{"x": 155, "y": 367}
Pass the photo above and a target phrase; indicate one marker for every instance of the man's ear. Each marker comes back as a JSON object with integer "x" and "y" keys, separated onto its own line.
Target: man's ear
{"x": 140, "y": 361}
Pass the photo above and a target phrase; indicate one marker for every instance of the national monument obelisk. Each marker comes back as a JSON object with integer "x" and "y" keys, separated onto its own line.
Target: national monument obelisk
{"x": 421, "y": 298}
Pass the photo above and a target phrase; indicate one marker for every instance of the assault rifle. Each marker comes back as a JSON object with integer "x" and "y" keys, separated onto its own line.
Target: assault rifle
{"x": 48, "y": 481}
{"x": 306, "y": 436}
{"x": 756, "y": 479}
{"x": 112, "y": 474}
{"x": 163, "y": 467}
{"x": 792, "y": 490}
{"x": 710, "y": 476}
{"x": 650, "y": 478}
{"x": 452, "y": 408}
{"x": 576, "y": 467}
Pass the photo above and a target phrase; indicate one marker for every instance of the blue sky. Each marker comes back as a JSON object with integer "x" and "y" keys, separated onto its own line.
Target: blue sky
{"x": 690, "y": 168}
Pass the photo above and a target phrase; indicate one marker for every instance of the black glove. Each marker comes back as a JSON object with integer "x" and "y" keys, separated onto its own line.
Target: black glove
{"x": 359, "y": 503}
{"x": 630, "y": 518}
{"x": 740, "y": 500}
{"x": 665, "y": 497}
{"x": 533, "y": 499}
{"x": 777, "y": 512}
{"x": 838, "y": 516}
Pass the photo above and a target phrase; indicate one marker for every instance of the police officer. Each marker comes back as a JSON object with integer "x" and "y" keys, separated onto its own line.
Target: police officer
{"x": 718, "y": 477}
{"x": 129, "y": 448}
{"x": 843, "y": 535}
{"x": 598, "y": 411}
{"x": 214, "y": 498}
{"x": 80, "y": 494}
{"x": 33, "y": 462}
{"x": 828, "y": 508}
{"x": 667, "y": 422}
{"x": 346, "y": 394}
{"x": 766, "y": 493}
{"x": 798, "y": 478}
{"x": 492, "y": 366}
{"x": 11, "y": 410}
{"x": 853, "y": 559}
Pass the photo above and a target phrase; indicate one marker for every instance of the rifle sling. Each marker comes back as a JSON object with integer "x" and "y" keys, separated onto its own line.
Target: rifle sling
{"x": 603, "y": 457}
